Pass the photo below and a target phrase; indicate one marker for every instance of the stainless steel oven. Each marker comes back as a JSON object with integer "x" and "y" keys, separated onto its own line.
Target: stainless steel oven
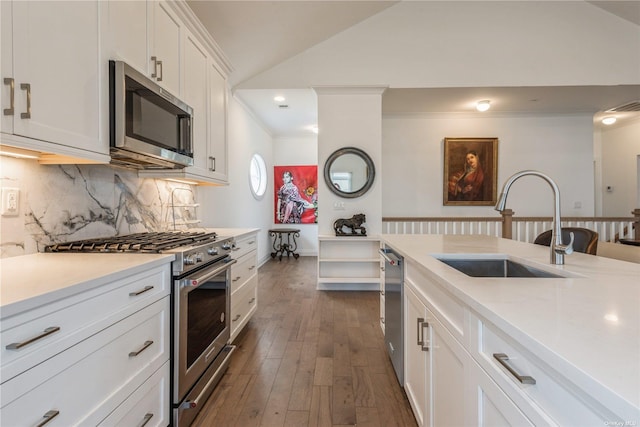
{"x": 200, "y": 303}
{"x": 201, "y": 334}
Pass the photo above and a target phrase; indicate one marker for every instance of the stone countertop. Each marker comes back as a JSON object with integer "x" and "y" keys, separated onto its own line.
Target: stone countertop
{"x": 586, "y": 326}
{"x": 30, "y": 281}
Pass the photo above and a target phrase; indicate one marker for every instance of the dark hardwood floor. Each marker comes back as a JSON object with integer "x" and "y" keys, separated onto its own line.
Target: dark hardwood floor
{"x": 308, "y": 358}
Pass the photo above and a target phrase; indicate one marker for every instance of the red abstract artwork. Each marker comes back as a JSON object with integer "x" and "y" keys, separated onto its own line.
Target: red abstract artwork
{"x": 296, "y": 194}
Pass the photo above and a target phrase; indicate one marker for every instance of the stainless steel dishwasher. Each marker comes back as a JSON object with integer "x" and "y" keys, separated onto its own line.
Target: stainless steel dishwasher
{"x": 393, "y": 312}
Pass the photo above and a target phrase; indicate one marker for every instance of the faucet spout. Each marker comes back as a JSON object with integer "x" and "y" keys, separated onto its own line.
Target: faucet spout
{"x": 558, "y": 249}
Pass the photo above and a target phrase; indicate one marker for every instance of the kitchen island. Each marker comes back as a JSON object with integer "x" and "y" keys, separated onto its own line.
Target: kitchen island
{"x": 579, "y": 333}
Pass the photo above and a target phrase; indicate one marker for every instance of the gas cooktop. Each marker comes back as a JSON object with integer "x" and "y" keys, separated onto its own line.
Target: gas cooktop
{"x": 152, "y": 242}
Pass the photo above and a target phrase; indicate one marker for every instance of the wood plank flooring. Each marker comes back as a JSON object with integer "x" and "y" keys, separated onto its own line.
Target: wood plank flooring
{"x": 308, "y": 358}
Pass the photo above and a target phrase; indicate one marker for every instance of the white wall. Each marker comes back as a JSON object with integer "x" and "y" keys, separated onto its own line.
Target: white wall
{"x": 234, "y": 205}
{"x": 560, "y": 146}
{"x": 350, "y": 117}
{"x": 297, "y": 151}
{"x": 620, "y": 152}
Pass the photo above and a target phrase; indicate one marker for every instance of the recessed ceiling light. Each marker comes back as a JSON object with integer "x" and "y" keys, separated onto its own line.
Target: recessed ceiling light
{"x": 279, "y": 98}
{"x": 483, "y": 105}
{"x": 609, "y": 120}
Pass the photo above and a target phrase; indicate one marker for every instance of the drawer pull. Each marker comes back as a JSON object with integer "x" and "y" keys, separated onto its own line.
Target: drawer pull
{"x": 141, "y": 291}
{"x": 48, "y": 417}
{"x": 27, "y": 87}
{"x": 252, "y": 267}
{"x": 251, "y": 300}
{"x": 424, "y": 344}
{"x": 46, "y": 332}
{"x": 235, "y": 319}
{"x": 146, "y": 419}
{"x": 12, "y": 94}
{"x": 143, "y": 348}
{"x": 382, "y": 319}
{"x": 236, "y": 279}
{"x": 503, "y": 360}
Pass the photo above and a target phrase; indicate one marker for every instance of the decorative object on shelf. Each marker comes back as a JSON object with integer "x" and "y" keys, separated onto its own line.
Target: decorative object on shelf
{"x": 354, "y": 224}
{"x": 349, "y": 172}
{"x": 187, "y": 211}
{"x": 470, "y": 171}
{"x": 280, "y": 247}
{"x": 296, "y": 194}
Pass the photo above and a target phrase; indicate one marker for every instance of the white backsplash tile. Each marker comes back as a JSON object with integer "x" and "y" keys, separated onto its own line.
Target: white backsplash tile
{"x": 60, "y": 203}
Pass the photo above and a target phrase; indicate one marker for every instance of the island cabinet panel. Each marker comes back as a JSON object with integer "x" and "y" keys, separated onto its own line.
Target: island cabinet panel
{"x": 550, "y": 397}
{"x": 88, "y": 351}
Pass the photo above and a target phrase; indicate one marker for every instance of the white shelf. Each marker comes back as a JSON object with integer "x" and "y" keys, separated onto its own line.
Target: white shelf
{"x": 348, "y": 263}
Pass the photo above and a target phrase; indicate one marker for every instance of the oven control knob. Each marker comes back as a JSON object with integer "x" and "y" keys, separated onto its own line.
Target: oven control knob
{"x": 212, "y": 251}
{"x": 189, "y": 260}
{"x": 226, "y": 246}
{"x": 199, "y": 256}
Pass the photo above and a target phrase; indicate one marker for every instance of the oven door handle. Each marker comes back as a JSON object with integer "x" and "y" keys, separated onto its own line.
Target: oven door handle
{"x": 198, "y": 280}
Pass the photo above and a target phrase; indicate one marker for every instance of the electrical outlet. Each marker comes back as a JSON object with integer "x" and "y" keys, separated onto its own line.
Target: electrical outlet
{"x": 10, "y": 201}
{"x": 338, "y": 206}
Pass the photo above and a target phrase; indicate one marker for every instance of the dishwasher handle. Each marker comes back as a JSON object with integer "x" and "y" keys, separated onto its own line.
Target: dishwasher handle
{"x": 390, "y": 257}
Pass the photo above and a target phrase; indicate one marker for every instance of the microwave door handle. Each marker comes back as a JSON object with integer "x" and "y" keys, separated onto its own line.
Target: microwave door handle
{"x": 198, "y": 280}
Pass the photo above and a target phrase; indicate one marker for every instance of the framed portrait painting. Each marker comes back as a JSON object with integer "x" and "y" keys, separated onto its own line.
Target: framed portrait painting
{"x": 295, "y": 194}
{"x": 470, "y": 171}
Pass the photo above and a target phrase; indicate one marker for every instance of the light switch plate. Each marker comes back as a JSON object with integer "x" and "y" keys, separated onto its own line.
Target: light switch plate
{"x": 10, "y": 201}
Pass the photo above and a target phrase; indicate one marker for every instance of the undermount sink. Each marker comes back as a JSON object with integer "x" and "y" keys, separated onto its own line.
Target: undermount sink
{"x": 496, "y": 268}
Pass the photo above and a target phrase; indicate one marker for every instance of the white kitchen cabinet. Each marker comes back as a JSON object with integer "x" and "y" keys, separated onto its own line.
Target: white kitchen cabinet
{"x": 204, "y": 88}
{"x": 126, "y": 31}
{"x": 122, "y": 324}
{"x": 244, "y": 282}
{"x": 417, "y": 366}
{"x": 51, "y": 80}
{"x": 348, "y": 263}
{"x": 165, "y": 44}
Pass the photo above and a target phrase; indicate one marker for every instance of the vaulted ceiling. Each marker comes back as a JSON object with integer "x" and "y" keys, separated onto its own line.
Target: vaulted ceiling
{"x": 258, "y": 35}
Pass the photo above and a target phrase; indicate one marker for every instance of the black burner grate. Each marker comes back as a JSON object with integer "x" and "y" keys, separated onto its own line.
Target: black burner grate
{"x": 154, "y": 242}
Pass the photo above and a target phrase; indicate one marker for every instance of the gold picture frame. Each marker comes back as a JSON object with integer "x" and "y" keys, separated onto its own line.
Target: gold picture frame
{"x": 470, "y": 171}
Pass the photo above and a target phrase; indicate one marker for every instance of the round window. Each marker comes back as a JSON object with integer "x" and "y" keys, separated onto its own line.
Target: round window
{"x": 258, "y": 176}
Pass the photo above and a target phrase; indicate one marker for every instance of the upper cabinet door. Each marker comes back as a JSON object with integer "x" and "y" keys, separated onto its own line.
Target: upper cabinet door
{"x": 56, "y": 72}
{"x": 218, "y": 124}
{"x": 164, "y": 61}
{"x": 125, "y": 32}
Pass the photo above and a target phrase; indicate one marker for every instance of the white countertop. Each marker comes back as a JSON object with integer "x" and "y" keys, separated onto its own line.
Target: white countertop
{"x": 586, "y": 326}
{"x": 30, "y": 281}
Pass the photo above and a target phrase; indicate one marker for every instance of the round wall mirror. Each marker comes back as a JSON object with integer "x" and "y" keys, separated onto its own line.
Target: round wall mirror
{"x": 349, "y": 172}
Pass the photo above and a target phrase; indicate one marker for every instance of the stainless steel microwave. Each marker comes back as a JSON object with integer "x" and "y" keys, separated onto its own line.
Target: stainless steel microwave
{"x": 149, "y": 128}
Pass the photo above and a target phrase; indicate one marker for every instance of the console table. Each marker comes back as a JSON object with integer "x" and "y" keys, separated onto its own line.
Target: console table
{"x": 286, "y": 245}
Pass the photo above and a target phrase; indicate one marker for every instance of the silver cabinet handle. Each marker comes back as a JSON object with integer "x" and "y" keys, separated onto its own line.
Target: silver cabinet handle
{"x": 382, "y": 319}
{"x": 12, "y": 93}
{"x": 251, "y": 300}
{"x": 48, "y": 417}
{"x": 252, "y": 267}
{"x": 503, "y": 360}
{"x": 235, "y": 319}
{"x": 27, "y": 87}
{"x": 155, "y": 67}
{"x": 146, "y": 419}
{"x": 419, "y": 329}
{"x": 141, "y": 291}
{"x": 425, "y": 343}
{"x": 236, "y": 279}
{"x": 213, "y": 164}
{"x": 46, "y": 332}
{"x": 161, "y": 71}
{"x": 145, "y": 346}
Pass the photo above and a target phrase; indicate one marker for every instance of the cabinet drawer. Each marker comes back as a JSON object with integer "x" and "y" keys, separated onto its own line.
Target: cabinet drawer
{"x": 148, "y": 405}
{"x": 437, "y": 299}
{"x": 88, "y": 381}
{"x": 245, "y": 244}
{"x": 25, "y": 342}
{"x": 242, "y": 270}
{"x": 551, "y": 396}
{"x": 243, "y": 304}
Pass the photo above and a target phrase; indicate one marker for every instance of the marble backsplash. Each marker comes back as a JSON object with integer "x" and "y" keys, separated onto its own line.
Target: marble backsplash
{"x": 60, "y": 203}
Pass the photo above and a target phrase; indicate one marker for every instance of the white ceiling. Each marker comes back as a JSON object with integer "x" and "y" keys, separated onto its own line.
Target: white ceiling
{"x": 257, "y": 35}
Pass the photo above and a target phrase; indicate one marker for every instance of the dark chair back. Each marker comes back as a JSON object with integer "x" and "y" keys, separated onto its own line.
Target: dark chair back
{"x": 585, "y": 240}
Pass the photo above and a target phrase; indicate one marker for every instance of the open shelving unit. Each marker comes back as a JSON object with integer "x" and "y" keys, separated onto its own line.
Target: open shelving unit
{"x": 348, "y": 263}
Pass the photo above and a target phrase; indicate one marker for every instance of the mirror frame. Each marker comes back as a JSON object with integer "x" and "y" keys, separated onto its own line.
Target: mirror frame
{"x": 371, "y": 174}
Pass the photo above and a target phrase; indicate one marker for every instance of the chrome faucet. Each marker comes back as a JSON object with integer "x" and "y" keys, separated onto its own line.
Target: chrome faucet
{"x": 558, "y": 250}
